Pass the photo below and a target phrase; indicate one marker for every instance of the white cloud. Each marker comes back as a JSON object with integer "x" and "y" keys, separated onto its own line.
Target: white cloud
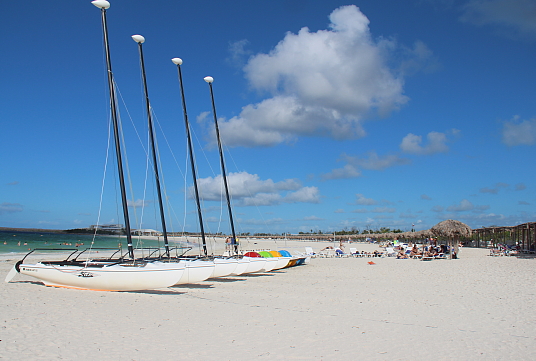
{"x": 238, "y": 52}
{"x": 312, "y": 218}
{"x": 371, "y": 161}
{"x": 374, "y": 161}
{"x": 464, "y": 205}
{"x": 418, "y": 58}
{"x": 10, "y": 208}
{"x": 489, "y": 190}
{"x": 494, "y": 190}
{"x": 384, "y": 210}
{"x": 515, "y": 132}
{"x": 348, "y": 171}
{"x": 425, "y": 197}
{"x": 261, "y": 199}
{"x": 521, "y": 187}
{"x": 321, "y": 83}
{"x": 304, "y": 195}
{"x": 436, "y": 144}
{"x": 249, "y": 190}
{"x": 519, "y": 15}
{"x": 361, "y": 200}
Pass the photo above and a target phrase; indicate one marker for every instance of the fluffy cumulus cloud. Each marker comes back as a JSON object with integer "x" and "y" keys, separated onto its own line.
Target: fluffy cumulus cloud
{"x": 249, "y": 190}
{"x": 322, "y": 83}
{"x": 516, "y": 132}
{"x": 517, "y": 15}
{"x": 436, "y": 143}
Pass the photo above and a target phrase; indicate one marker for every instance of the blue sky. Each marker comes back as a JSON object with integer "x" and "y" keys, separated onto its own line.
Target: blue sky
{"x": 333, "y": 115}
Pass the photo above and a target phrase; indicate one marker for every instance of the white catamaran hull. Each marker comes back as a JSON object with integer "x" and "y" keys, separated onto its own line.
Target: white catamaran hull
{"x": 224, "y": 267}
{"x": 195, "y": 271}
{"x": 282, "y": 262}
{"x": 256, "y": 264}
{"x": 241, "y": 266}
{"x": 271, "y": 262}
{"x": 117, "y": 277}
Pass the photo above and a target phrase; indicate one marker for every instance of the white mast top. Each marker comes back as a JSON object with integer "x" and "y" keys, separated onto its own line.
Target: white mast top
{"x": 208, "y": 79}
{"x": 177, "y": 61}
{"x": 138, "y": 38}
{"x": 101, "y": 4}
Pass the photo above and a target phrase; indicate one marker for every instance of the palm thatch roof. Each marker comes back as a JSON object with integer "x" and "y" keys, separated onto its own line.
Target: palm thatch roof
{"x": 451, "y": 228}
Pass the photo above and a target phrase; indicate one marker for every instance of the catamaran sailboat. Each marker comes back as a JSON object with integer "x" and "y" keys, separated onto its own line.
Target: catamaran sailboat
{"x": 125, "y": 273}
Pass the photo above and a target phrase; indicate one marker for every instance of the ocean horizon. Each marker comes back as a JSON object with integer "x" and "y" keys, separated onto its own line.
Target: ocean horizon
{"x": 12, "y": 242}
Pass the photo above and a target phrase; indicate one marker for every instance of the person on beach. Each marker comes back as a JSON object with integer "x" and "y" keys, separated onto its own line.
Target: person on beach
{"x": 228, "y": 243}
{"x": 431, "y": 252}
{"x": 414, "y": 251}
{"x": 402, "y": 254}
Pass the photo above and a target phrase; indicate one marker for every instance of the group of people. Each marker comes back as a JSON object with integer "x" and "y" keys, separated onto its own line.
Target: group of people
{"x": 426, "y": 251}
{"x": 230, "y": 242}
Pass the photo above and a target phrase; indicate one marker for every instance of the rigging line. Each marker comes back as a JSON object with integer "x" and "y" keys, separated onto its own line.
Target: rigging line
{"x": 247, "y": 189}
{"x": 200, "y": 146}
{"x": 159, "y": 161}
{"x": 225, "y": 151}
{"x": 168, "y": 204}
{"x": 147, "y": 161}
{"x": 138, "y": 223}
{"x": 249, "y": 193}
{"x": 127, "y": 166}
{"x": 131, "y": 120}
{"x": 185, "y": 190}
{"x": 202, "y": 198}
{"x": 168, "y": 143}
{"x": 102, "y": 189}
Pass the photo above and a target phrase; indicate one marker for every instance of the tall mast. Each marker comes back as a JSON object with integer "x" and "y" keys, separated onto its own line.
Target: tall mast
{"x": 140, "y": 40}
{"x": 178, "y": 62}
{"x": 209, "y": 80}
{"x": 103, "y": 5}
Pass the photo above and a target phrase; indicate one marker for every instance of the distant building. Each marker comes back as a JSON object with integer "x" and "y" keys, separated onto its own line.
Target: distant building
{"x": 108, "y": 228}
{"x": 145, "y": 232}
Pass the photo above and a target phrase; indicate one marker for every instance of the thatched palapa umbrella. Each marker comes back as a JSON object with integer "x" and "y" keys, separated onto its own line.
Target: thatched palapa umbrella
{"x": 453, "y": 230}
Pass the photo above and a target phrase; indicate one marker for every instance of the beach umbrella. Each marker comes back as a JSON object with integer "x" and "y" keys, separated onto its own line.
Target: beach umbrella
{"x": 453, "y": 230}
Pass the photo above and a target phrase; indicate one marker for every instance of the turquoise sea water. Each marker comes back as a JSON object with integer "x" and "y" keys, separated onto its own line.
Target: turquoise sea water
{"x": 23, "y": 242}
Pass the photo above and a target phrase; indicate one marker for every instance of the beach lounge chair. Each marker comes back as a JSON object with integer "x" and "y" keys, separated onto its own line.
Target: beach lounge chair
{"x": 327, "y": 253}
{"x": 353, "y": 252}
{"x": 309, "y": 252}
{"x": 390, "y": 252}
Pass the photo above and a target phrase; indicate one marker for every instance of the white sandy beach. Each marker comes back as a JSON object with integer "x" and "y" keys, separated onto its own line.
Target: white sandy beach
{"x": 473, "y": 308}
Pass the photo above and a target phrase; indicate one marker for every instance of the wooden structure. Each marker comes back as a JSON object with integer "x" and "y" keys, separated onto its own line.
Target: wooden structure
{"x": 523, "y": 235}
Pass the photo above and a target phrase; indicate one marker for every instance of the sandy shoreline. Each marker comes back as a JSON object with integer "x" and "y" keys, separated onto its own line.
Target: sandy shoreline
{"x": 476, "y": 307}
